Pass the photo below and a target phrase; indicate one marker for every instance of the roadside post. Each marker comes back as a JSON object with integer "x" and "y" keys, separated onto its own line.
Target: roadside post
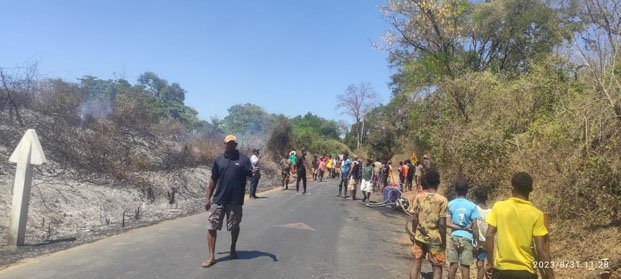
{"x": 28, "y": 153}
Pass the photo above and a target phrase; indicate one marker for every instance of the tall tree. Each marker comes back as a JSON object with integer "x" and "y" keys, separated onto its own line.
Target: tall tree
{"x": 356, "y": 102}
{"x": 247, "y": 119}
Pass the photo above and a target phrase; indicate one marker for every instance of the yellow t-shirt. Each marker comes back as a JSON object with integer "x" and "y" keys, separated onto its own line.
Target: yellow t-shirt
{"x": 516, "y": 221}
{"x": 329, "y": 164}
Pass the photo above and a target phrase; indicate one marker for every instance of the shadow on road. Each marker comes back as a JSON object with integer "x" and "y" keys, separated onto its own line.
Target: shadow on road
{"x": 68, "y": 239}
{"x": 247, "y": 255}
{"x": 427, "y": 275}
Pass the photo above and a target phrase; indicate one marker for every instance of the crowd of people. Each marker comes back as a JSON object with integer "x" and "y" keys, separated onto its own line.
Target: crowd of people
{"x": 515, "y": 224}
{"x": 368, "y": 176}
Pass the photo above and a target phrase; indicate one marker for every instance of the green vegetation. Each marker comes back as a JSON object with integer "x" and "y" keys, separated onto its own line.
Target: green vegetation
{"x": 490, "y": 88}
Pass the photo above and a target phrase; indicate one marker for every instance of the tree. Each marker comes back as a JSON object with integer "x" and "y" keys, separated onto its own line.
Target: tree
{"x": 17, "y": 86}
{"x": 316, "y": 124}
{"x": 356, "y": 102}
{"x": 160, "y": 89}
{"x": 280, "y": 139}
{"x": 247, "y": 120}
{"x": 382, "y": 132}
{"x": 431, "y": 40}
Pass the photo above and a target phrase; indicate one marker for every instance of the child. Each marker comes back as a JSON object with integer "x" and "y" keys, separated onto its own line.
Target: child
{"x": 464, "y": 214}
{"x": 517, "y": 222}
{"x": 429, "y": 225}
{"x": 366, "y": 187}
{"x": 480, "y": 197}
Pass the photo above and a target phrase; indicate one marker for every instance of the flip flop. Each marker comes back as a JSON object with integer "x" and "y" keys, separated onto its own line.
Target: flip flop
{"x": 208, "y": 264}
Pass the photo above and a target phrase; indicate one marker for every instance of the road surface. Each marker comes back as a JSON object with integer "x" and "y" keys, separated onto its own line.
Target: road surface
{"x": 283, "y": 235}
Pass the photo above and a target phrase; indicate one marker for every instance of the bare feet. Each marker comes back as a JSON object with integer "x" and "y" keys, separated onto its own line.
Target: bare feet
{"x": 233, "y": 255}
{"x": 208, "y": 263}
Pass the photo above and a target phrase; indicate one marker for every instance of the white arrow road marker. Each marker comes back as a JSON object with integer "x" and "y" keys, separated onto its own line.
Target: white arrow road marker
{"x": 27, "y": 153}
{"x": 29, "y": 143}
{"x": 297, "y": 226}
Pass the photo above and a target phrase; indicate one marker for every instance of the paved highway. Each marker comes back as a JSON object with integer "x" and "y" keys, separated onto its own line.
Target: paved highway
{"x": 283, "y": 235}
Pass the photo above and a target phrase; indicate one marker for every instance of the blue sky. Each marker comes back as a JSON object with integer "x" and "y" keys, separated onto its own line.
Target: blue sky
{"x": 288, "y": 57}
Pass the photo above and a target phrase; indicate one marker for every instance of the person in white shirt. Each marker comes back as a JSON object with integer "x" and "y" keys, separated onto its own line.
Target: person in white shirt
{"x": 480, "y": 198}
{"x": 256, "y": 174}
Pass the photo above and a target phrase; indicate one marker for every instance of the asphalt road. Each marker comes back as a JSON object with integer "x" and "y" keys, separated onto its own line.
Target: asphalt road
{"x": 283, "y": 235}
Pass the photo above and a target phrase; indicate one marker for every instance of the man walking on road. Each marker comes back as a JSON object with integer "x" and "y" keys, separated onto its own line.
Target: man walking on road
{"x": 285, "y": 170}
{"x": 228, "y": 186}
{"x": 256, "y": 173}
{"x": 344, "y": 171}
{"x": 301, "y": 169}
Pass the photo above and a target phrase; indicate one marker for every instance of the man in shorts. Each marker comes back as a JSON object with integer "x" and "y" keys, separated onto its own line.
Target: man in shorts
{"x": 227, "y": 186}
{"x": 315, "y": 167}
{"x": 354, "y": 177}
{"x": 429, "y": 224}
{"x": 464, "y": 228}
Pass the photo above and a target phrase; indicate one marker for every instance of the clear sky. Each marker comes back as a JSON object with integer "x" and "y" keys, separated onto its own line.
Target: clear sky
{"x": 288, "y": 57}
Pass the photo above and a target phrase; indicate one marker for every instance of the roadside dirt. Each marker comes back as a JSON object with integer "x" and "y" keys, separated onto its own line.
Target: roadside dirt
{"x": 64, "y": 213}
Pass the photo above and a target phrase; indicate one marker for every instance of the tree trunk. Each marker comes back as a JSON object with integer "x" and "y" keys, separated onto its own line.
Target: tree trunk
{"x": 361, "y": 132}
{"x": 357, "y": 133}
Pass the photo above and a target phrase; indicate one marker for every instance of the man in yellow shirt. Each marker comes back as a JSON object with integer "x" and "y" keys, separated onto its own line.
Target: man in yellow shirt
{"x": 516, "y": 222}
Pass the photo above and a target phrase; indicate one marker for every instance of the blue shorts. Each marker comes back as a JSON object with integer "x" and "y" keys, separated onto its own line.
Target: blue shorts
{"x": 481, "y": 255}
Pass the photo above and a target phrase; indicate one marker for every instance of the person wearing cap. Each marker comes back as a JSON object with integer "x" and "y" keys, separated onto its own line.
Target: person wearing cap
{"x": 225, "y": 196}
{"x": 254, "y": 181}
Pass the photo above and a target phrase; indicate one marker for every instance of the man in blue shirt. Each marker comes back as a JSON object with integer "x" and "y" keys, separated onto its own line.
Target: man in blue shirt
{"x": 228, "y": 179}
{"x": 344, "y": 170}
{"x": 464, "y": 231}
